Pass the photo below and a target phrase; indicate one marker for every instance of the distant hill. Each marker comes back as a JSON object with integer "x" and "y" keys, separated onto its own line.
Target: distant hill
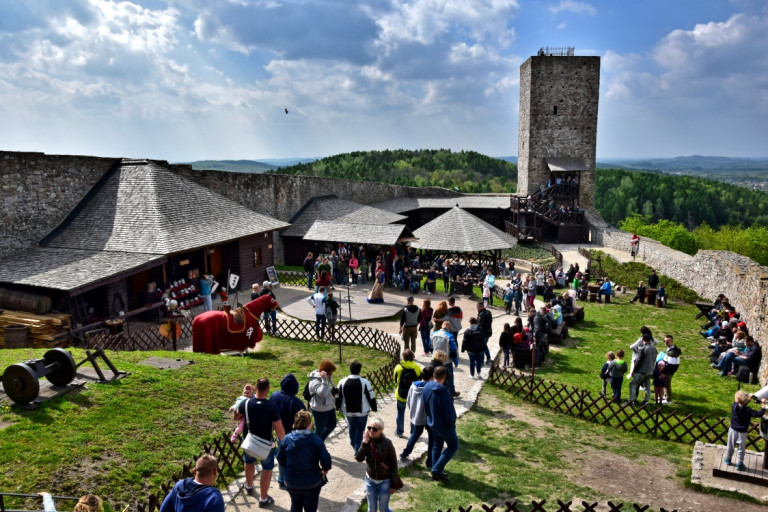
{"x": 249, "y": 166}
{"x": 467, "y": 171}
{"x": 695, "y": 163}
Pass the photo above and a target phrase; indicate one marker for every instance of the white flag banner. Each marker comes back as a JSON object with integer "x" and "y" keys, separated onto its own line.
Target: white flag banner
{"x": 233, "y": 280}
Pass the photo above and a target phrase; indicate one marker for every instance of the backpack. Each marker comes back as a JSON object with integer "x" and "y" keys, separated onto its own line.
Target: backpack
{"x": 329, "y": 312}
{"x": 407, "y": 377}
{"x": 307, "y": 394}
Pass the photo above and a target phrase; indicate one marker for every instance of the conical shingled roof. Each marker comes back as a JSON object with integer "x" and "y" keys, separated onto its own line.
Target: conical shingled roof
{"x": 460, "y": 231}
{"x": 145, "y": 208}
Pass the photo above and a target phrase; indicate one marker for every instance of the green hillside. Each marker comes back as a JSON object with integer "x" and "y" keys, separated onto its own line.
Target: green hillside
{"x": 466, "y": 170}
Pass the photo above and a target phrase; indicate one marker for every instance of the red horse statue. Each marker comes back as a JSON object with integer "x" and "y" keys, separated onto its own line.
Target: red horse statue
{"x": 214, "y": 331}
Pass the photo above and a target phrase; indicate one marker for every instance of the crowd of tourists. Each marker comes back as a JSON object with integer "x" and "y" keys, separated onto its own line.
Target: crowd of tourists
{"x": 734, "y": 350}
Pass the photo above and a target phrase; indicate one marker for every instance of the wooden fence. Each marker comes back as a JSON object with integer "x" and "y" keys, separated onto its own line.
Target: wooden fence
{"x": 227, "y": 453}
{"x": 646, "y": 419}
{"x": 559, "y": 506}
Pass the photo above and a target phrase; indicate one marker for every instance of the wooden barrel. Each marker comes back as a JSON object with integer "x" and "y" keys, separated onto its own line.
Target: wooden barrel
{"x": 16, "y": 336}
{"x": 25, "y": 301}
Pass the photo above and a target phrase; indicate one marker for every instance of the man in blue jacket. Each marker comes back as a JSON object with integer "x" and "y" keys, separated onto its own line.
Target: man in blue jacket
{"x": 288, "y": 404}
{"x": 196, "y": 494}
{"x": 441, "y": 420}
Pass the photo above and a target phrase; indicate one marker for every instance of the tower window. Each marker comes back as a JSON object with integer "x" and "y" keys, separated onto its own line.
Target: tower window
{"x": 555, "y": 113}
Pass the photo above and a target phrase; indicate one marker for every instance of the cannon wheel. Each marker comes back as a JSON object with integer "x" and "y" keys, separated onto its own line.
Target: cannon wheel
{"x": 20, "y": 383}
{"x": 62, "y": 373}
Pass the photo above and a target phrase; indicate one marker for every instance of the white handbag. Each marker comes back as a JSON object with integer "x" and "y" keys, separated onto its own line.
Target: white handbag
{"x": 255, "y": 446}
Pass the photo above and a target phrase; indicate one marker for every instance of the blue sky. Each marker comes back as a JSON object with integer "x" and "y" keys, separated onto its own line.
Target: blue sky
{"x": 197, "y": 79}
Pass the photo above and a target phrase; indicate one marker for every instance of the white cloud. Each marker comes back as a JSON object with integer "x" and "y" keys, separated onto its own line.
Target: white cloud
{"x": 572, "y": 6}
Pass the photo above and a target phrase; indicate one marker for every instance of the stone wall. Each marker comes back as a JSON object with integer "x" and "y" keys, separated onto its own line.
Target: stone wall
{"x": 708, "y": 273}
{"x": 559, "y": 99}
{"x": 37, "y": 191}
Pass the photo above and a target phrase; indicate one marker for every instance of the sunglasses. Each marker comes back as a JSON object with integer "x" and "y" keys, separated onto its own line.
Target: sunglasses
{"x": 373, "y": 429}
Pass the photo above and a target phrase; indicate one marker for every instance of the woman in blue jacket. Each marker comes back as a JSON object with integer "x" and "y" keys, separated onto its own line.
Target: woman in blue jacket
{"x": 306, "y": 462}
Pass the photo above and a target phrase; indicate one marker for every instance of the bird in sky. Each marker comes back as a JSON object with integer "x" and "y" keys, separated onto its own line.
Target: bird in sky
{"x": 286, "y": 111}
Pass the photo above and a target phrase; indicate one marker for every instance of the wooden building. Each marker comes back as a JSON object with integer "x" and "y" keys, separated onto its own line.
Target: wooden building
{"x": 141, "y": 228}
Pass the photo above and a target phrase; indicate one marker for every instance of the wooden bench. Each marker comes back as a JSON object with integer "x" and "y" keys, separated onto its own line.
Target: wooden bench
{"x": 576, "y": 316}
{"x": 557, "y": 335}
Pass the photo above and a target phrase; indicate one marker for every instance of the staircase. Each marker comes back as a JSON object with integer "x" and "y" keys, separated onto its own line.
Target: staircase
{"x": 539, "y": 217}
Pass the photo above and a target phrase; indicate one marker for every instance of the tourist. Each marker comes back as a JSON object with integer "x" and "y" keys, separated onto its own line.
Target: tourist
{"x": 474, "y": 345}
{"x": 640, "y": 294}
{"x": 618, "y": 370}
{"x": 741, "y": 416}
{"x": 376, "y": 294}
{"x": 441, "y": 419}
{"x": 197, "y": 493}
{"x": 92, "y": 503}
{"x": 288, "y": 404}
{"x": 331, "y": 310}
{"x": 506, "y": 342}
{"x": 418, "y": 415}
{"x": 409, "y": 324}
{"x": 643, "y": 369}
{"x": 309, "y": 269}
{"x": 380, "y": 458}
{"x": 485, "y": 324}
{"x": 605, "y": 371}
{"x": 425, "y": 326}
{"x": 444, "y": 343}
{"x": 262, "y": 418}
{"x": 247, "y": 393}
{"x": 317, "y": 302}
{"x": 322, "y": 401}
{"x": 270, "y": 316}
{"x": 406, "y": 373}
{"x": 306, "y": 461}
{"x": 356, "y": 399}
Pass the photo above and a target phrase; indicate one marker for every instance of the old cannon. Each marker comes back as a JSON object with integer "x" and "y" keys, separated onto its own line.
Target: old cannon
{"x": 20, "y": 380}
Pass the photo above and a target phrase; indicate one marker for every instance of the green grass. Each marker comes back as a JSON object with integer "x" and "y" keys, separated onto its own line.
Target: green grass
{"x": 504, "y": 457}
{"x": 697, "y": 388}
{"x": 121, "y": 440}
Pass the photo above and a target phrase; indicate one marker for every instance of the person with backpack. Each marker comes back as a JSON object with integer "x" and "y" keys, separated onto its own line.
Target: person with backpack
{"x": 617, "y": 372}
{"x": 409, "y": 324}
{"x": 331, "y": 311}
{"x": 474, "y": 345}
{"x": 418, "y": 416}
{"x": 288, "y": 404}
{"x": 356, "y": 399}
{"x": 406, "y": 373}
{"x": 444, "y": 341}
{"x": 321, "y": 393}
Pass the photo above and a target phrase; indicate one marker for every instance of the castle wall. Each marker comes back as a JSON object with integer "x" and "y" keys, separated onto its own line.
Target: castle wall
{"x": 37, "y": 191}
{"x": 558, "y": 118}
{"x": 708, "y": 273}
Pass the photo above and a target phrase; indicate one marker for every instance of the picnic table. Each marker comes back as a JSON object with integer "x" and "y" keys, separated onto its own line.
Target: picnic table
{"x": 704, "y": 308}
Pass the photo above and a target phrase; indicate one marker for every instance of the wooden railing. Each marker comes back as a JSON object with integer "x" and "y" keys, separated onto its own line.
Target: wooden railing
{"x": 647, "y": 419}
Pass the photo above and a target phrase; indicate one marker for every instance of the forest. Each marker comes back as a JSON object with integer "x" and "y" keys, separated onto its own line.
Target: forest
{"x": 686, "y": 213}
{"x": 468, "y": 171}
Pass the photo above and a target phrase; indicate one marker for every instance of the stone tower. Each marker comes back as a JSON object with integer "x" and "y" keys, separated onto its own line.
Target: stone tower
{"x": 559, "y": 94}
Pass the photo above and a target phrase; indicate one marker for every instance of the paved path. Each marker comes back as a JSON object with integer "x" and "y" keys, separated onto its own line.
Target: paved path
{"x": 345, "y": 490}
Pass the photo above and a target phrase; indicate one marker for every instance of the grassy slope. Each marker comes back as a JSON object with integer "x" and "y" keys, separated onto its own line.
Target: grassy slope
{"x": 122, "y": 439}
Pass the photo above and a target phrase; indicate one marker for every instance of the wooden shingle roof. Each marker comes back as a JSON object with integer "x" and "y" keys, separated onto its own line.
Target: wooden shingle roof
{"x": 333, "y": 208}
{"x": 460, "y": 231}
{"x": 336, "y": 231}
{"x": 480, "y": 201}
{"x": 142, "y": 207}
{"x": 71, "y": 269}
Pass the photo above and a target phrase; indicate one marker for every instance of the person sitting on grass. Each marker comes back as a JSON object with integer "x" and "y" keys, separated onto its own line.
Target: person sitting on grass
{"x": 741, "y": 415}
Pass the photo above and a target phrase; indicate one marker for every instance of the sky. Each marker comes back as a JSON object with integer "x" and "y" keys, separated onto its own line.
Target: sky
{"x": 185, "y": 80}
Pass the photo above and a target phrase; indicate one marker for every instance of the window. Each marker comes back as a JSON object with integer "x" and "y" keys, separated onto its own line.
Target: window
{"x": 257, "y": 256}
{"x": 555, "y": 113}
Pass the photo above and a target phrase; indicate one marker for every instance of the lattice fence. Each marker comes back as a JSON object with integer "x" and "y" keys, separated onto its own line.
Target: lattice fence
{"x": 292, "y": 278}
{"x": 646, "y": 419}
{"x": 229, "y": 464}
{"x": 226, "y": 452}
{"x": 144, "y": 339}
{"x": 562, "y": 506}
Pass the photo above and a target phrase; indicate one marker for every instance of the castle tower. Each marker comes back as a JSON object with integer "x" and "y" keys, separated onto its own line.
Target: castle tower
{"x": 559, "y": 94}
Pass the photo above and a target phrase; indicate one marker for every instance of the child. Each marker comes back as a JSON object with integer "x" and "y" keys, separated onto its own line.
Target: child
{"x": 617, "y": 374}
{"x": 506, "y": 342}
{"x": 659, "y": 382}
{"x": 508, "y": 298}
{"x": 741, "y": 415}
{"x": 605, "y": 371}
{"x": 247, "y": 393}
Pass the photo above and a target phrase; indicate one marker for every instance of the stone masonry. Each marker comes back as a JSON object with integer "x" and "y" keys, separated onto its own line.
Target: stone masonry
{"x": 559, "y": 98}
{"x": 708, "y": 273}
